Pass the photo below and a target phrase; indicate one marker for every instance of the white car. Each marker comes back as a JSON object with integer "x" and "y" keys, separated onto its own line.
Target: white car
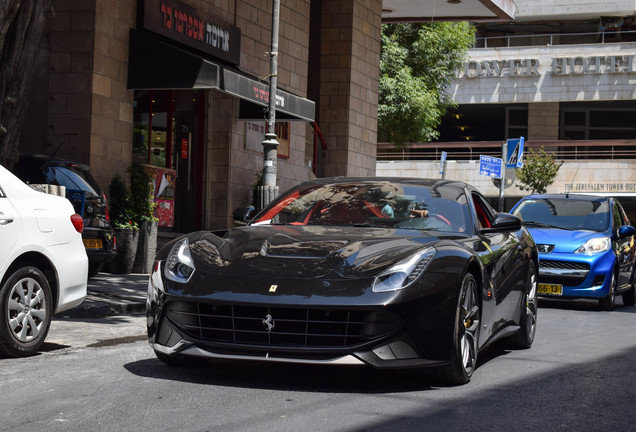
{"x": 43, "y": 264}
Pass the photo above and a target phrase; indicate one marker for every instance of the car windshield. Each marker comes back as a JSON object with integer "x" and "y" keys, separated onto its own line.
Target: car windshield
{"x": 72, "y": 178}
{"x": 565, "y": 213}
{"x": 382, "y": 204}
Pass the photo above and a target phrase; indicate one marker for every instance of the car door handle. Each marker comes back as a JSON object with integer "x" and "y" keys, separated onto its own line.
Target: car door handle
{"x": 4, "y": 220}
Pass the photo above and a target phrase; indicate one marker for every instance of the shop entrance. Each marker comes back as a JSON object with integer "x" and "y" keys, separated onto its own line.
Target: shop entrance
{"x": 168, "y": 140}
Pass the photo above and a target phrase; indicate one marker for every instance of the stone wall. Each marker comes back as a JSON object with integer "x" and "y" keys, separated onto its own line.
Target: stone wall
{"x": 350, "y": 62}
{"x": 111, "y": 121}
{"x": 616, "y": 177}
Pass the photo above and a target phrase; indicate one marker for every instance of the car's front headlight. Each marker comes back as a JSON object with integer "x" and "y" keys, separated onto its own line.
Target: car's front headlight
{"x": 595, "y": 245}
{"x": 405, "y": 272}
{"x": 179, "y": 264}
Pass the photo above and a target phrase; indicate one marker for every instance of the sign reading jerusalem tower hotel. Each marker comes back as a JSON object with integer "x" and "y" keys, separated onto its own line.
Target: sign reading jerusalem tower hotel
{"x": 558, "y": 66}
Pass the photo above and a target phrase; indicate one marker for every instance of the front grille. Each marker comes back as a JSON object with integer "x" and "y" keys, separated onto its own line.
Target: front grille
{"x": 579, "y": 272}
{"x": 564, "y": 265}
{"x": 292, "y": 327}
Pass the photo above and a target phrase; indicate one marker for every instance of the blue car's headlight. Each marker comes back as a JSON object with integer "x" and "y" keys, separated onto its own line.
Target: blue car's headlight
{"x": 179, "y": 264}
{"x": 405, "y": 272}
{"x": 595, "y": 245}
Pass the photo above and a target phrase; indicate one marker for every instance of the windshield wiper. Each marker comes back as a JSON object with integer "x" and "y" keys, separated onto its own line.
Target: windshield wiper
{"x": 544, "y": 225}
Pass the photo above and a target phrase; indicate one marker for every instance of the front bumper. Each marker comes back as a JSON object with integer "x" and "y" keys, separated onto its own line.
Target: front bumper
{"x": 580, "y": 275}
{"x": 379, "y": 335}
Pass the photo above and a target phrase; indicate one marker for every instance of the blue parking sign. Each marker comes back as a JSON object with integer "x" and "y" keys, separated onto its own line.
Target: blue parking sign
{"x": 490, "y": 166}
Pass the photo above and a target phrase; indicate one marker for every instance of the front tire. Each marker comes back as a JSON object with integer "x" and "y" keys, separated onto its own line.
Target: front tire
{"x": 528, "y": 321}
{"x": 465, "y": 335}
{"x": 25, "y": 312}
{"x": 607, "y": 303}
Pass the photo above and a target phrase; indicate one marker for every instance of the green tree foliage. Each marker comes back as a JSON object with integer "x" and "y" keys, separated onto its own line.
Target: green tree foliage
{"x": 141, "y": 197}
{"x": 417, "y": 64}
{"x": 538, "y": 172}
{"x": 119, "y": 203}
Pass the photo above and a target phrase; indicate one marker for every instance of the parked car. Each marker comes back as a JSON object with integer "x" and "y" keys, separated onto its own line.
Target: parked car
{"x": 389, "y": 273}
{"x": 43, "y": 264}
{"x": 586, "y": 246}
{"x": 85, "y": 195}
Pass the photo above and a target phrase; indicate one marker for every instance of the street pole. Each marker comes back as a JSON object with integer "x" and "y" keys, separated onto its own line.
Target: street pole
{"x": 502, "y": 185}
{"x": 270, "y": 143}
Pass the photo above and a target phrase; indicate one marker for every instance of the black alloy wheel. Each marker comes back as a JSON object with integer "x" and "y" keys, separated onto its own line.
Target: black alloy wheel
{"x": 524, "y": 338}
{"x": 607, "y": 303}
{"x": 465, "y": 336}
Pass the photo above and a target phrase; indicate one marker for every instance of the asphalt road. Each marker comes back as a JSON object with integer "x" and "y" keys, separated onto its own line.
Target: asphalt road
{"x": 98, "y": 375}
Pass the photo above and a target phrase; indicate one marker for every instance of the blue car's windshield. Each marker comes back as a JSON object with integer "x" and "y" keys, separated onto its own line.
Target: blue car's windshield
{"x": 382, "y": 204}
{"x": 566, "y": 213}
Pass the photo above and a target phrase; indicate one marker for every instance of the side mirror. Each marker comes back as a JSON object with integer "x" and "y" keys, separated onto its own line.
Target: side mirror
{"x": 504, "y": 222}
{"x": 626, "y": 231}
{"x": 243, "y": 215}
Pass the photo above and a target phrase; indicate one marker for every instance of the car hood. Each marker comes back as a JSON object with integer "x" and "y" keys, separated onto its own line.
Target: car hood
{"x": 564, "y": 241}
{"x": 305, "y": 251}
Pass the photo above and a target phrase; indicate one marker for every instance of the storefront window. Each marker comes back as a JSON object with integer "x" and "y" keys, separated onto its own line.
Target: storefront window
{"x": 153, "y": 127}
{"x": 167, "y": 139}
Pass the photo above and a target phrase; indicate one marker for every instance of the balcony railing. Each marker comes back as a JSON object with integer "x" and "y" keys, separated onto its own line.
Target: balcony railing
{"x": 555, "y": 39}
{"x": 562, "y": 150}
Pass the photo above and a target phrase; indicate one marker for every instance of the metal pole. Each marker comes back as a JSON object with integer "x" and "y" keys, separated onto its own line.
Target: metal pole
{"x": 502, "y": 185}
{"x": 270, "y": 144}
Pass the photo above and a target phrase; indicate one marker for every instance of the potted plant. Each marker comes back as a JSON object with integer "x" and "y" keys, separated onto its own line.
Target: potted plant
{"x": 125, "y": 225}
{"x": 143, "y": 206}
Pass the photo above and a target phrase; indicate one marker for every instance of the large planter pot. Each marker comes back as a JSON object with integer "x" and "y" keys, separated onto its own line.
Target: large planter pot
{"x": 147, "y": 248}
{"x": 127, "y": 239}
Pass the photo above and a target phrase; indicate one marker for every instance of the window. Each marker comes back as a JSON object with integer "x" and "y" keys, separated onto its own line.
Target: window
{"x": 595, "y": 122}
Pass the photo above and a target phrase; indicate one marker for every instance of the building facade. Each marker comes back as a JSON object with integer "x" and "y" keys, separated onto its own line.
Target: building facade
{"x": 181, "y": 86}
{"x": 563, "y": 76}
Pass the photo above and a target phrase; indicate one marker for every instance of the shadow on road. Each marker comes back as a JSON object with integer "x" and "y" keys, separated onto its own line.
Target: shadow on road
{"x": 590, "y": 305}
{"x": 312, "y": 378}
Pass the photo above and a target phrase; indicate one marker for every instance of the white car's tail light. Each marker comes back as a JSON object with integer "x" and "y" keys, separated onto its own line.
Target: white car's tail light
{"x": 77, "y": 222}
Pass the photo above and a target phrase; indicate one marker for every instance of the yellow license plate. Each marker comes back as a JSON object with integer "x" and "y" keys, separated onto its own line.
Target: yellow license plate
{"x": 550, "y": 289}
{"x": 93, "y": 243}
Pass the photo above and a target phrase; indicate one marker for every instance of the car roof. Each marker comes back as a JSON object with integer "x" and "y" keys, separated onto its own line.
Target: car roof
{"x": 41, "y": 159}
{"x": 412, "y": 180}
{"x": 576, "y": 197}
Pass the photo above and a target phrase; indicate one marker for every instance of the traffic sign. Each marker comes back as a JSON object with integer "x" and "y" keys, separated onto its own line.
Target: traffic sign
{"x": 515, "y": 153}
{"x": 490, "y": 166}
{"x": 442, "y": 163}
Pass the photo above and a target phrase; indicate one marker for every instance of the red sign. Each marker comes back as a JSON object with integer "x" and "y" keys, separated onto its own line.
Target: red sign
{"x": 189, "y": 26}
{"x": 184, "y": 148}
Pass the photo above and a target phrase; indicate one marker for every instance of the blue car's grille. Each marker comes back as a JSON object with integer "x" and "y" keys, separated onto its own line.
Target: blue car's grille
{"x": 565, "y": 273}
{"x": 565, "y": 265}
{"x": 290, "y": 327}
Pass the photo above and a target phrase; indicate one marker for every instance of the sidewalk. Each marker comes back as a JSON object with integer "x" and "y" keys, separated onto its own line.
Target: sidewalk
{"x": 112, "y": 294}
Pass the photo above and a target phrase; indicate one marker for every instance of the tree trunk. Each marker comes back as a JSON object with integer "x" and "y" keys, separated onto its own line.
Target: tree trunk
{"x": 21, "y": 26}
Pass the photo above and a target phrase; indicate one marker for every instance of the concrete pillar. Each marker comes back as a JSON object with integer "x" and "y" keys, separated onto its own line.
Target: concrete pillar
{"x": 543, "y": 121}
{"x": 348, "y": 85}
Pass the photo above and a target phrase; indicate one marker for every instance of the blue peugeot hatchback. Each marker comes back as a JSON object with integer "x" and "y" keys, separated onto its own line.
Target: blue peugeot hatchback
{"x": 586, "y": 246}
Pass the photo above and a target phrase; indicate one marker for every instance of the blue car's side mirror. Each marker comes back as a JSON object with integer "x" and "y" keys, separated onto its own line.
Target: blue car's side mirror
{"x": 626, "y": 231}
